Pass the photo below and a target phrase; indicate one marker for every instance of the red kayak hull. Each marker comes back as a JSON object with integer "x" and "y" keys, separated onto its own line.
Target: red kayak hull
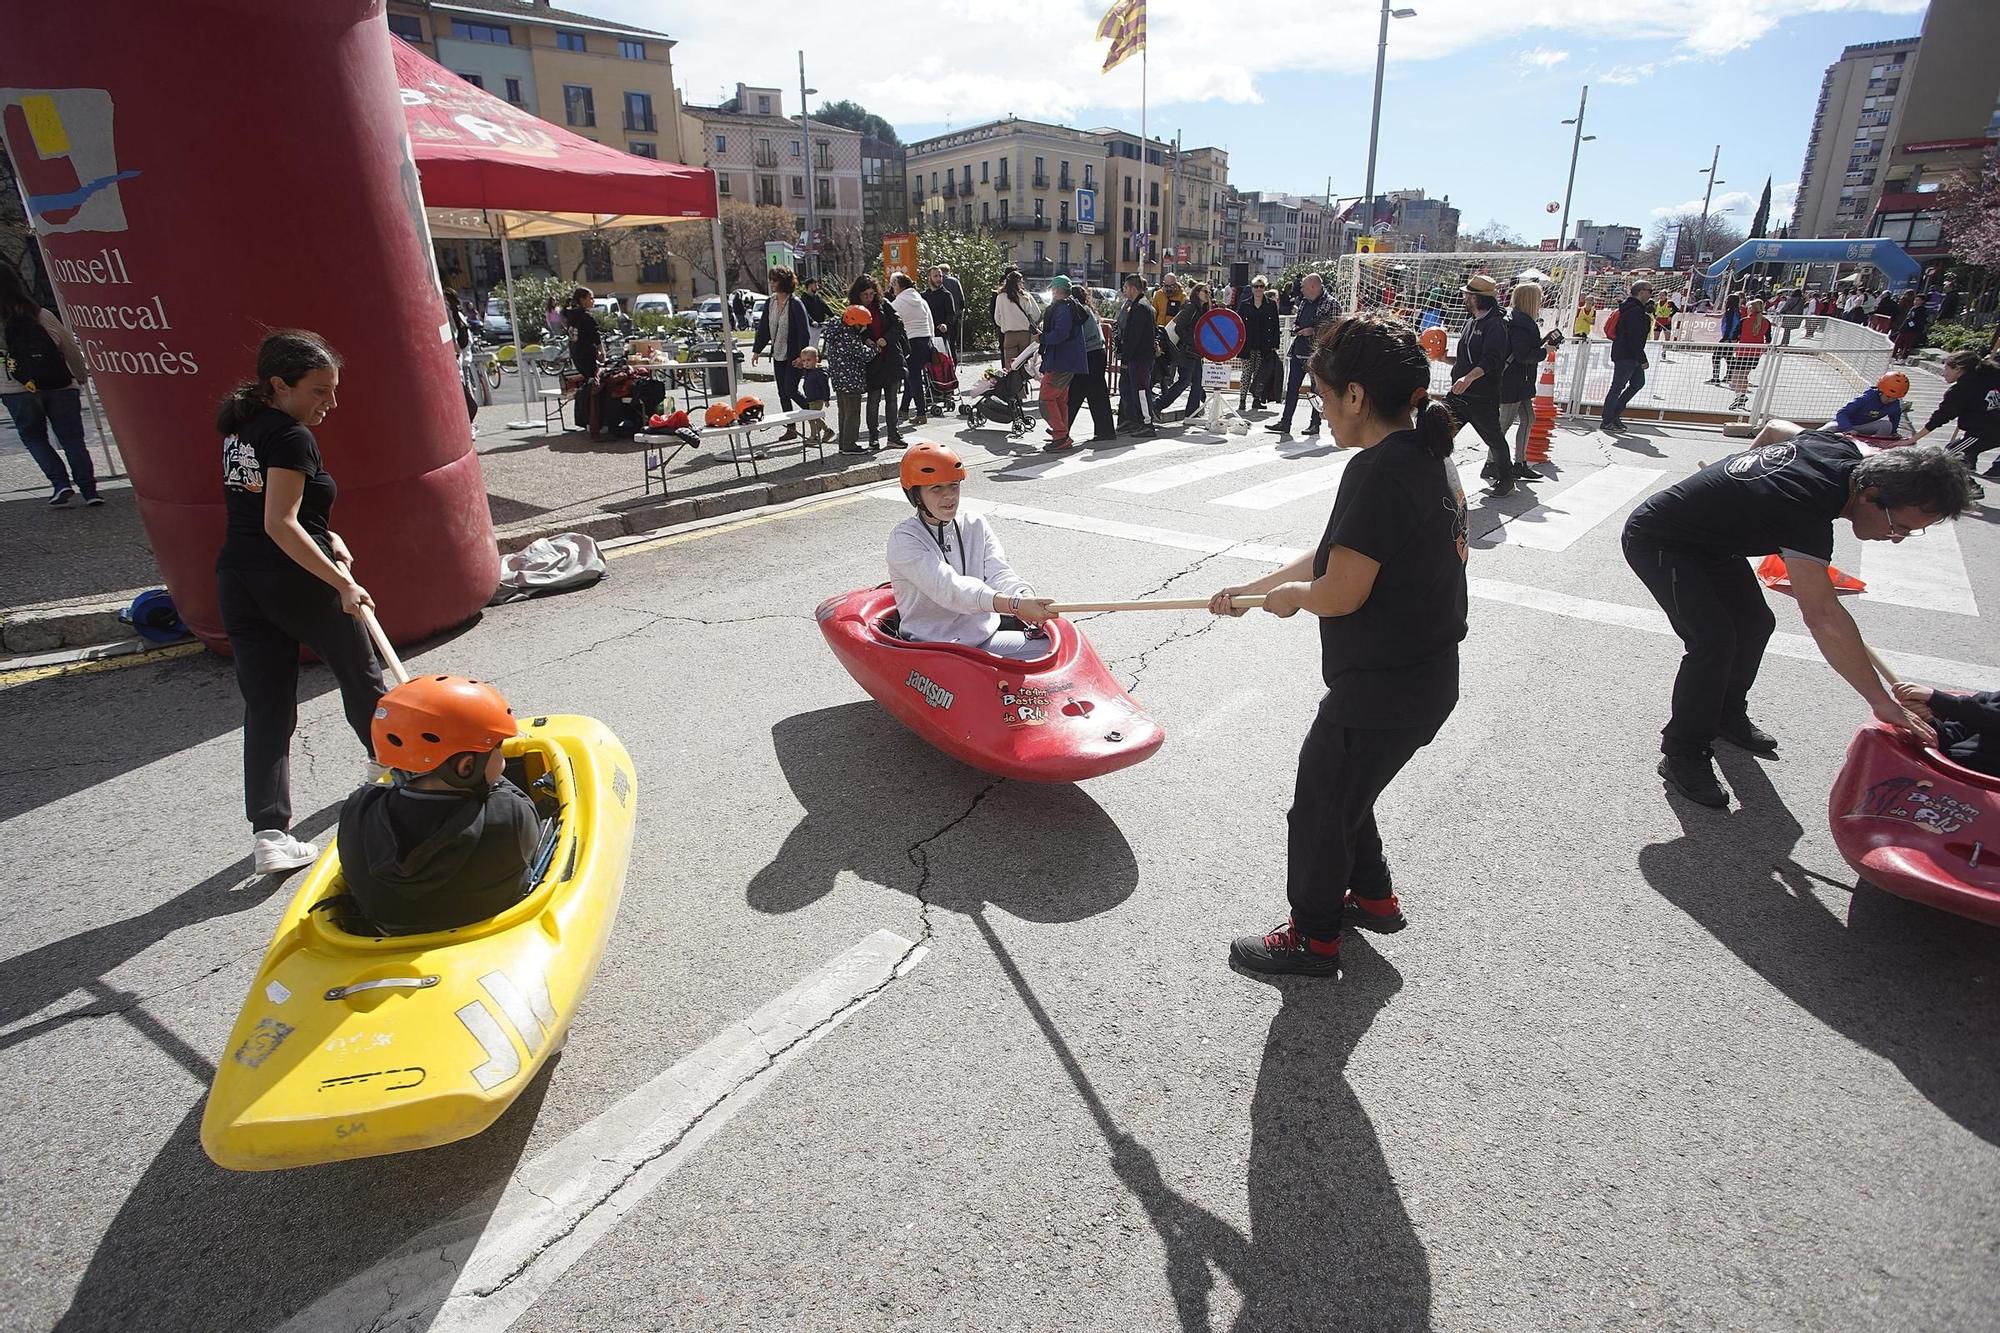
{"x": 1912, "y": 822}
{"x": 1060, "y": 719}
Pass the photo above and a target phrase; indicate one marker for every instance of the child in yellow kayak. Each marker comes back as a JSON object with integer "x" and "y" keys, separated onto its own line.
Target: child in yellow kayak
{"x": 449, "y": 840}
{"x": 952, "y": 580}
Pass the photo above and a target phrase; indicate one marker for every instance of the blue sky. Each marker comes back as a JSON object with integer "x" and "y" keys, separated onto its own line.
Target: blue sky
{"x": 1472, "y": 107}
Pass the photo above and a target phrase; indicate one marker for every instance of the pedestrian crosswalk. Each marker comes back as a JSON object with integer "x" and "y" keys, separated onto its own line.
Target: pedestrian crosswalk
{"x": 1928, "y": 573}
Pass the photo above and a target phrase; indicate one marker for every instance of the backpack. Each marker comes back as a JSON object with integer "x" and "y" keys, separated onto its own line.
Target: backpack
{"x": 33, "y": 357}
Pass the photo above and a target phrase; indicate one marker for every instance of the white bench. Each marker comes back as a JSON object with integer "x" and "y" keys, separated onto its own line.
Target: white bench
{"x": 661, "y": 450}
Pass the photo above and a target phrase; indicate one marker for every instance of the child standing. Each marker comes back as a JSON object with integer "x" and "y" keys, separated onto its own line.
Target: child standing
{"x": 849, "y": 349}
{"x": 816, "y": 392}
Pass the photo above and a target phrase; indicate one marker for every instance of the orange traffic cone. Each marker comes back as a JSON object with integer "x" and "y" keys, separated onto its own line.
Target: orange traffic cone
{"x": 1773, "y": 575}
{"x": 1545, "y": 412}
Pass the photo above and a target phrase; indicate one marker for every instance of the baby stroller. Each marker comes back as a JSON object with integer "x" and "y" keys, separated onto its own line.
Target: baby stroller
{"x": 941, "y": 382}
{"x": 1004, "y": 400}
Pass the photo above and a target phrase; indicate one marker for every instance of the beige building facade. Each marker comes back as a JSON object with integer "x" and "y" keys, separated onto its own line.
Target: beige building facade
{"x": 759, "y": 156}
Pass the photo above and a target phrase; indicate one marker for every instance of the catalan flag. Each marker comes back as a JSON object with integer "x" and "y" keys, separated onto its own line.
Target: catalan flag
{"x": 1124, "y": 26}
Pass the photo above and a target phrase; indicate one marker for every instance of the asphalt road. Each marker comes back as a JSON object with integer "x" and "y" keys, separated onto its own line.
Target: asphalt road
{"x": 1635, "y": 1065}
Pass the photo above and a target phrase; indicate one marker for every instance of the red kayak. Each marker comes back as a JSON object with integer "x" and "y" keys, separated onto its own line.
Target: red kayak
{"x": 1914, "y": 823}
{"x": 1061, "y": 718}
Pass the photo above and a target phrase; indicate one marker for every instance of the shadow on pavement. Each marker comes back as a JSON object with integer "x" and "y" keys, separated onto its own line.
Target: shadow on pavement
{"x": 1330, "y": 1244}
{"x": 198, "y": 1248}
{"x": 1908, "y": 983}
{"x": 52, "y": 555}
{"x": 31, "y": 982}
{"x": 874, "y": 795}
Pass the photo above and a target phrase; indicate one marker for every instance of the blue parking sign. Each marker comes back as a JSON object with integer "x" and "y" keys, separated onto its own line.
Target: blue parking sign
{"x": 1086, "y": 206}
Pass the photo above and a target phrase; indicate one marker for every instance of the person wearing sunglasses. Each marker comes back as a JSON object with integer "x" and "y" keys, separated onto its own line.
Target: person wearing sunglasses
{"x": 1688, "y": 544}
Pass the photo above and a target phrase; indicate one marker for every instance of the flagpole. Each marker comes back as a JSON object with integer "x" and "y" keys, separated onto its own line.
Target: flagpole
{"x": 1145, "y": 154}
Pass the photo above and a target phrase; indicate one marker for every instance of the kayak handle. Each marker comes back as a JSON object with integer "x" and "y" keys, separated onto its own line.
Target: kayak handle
{"x": 382, "y": 983}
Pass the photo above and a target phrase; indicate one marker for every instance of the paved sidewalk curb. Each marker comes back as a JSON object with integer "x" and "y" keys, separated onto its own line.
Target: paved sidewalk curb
{"x": 91, "y": 625}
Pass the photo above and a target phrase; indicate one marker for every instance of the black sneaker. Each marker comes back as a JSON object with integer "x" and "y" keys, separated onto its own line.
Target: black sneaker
{"x": 1280, "y": 428}
{"x": 1500, "y": 487}
{"x": 1382, "y": 915}
{"x": 1283, "y": 949}
{"x": 1693, "y": 776}
{"x": 93, "y": 502}
{"x": 62, "y": 497}
{"x": 1744, "y": 734}
{"x": 1526, "y": 473}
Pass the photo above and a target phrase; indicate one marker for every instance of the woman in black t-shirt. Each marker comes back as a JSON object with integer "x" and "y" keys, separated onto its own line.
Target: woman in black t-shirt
{"x": 1388, "y": 585}
{"x": 285, "y": 578}
{"x": 586, "y": 348}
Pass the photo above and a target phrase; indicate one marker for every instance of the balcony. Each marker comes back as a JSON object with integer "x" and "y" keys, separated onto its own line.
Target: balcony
{"x": 1040, "y": 182}
{"x": 1000, "y": 182}
{"x": 1064, "y": 224}
{"x": 950, "y": 190}
{"x": 1023, "y": 224}
{"x": 646, "y": 124}
{"x": 1063, "y": 183}
{"x": 767, "y": 158}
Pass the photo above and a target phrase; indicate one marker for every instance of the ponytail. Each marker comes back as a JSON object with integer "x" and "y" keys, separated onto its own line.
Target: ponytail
{"x": 1436, "y": 428}
{"x": 286, "y": 354}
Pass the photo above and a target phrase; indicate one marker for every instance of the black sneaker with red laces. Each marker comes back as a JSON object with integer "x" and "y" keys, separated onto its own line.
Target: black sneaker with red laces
{"x": 1381, "y": 915}
{"x": 1283, "y": 949}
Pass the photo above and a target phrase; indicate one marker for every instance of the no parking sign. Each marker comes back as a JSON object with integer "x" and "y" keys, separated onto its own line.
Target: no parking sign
{"x": 1219, "y": 334}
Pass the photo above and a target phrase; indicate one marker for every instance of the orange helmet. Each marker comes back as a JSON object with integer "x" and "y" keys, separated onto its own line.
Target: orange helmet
{"x": 425, "y": 721}
{"x": 856, "y": 317}
{"x": 749, "y": 409}
{"x": 1893, "y": 385}
{"x": 1432, "y": 340}
{"x": 928, "y": 464}
{"x": 720, "y": 414}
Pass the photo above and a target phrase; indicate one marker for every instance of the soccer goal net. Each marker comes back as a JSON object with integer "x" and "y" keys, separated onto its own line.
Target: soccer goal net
{"x": 1426, "y": 289}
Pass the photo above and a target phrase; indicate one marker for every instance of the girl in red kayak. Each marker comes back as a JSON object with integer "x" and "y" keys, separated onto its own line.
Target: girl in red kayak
{"x": 952, "y": 580}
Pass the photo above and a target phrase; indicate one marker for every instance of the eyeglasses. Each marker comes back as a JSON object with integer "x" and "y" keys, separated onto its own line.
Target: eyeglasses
{"x": 1897, "y": 529}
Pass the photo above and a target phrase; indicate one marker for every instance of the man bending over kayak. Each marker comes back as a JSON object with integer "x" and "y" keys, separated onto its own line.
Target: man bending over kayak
{"x": 952, "y": 580}
{"x": 449, "y": 840}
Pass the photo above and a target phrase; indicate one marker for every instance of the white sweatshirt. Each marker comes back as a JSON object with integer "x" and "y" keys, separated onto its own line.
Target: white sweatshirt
{"x": 946, "y": 595}
{"x": 1023, "y": 318}
{"x": 915, "y": 313}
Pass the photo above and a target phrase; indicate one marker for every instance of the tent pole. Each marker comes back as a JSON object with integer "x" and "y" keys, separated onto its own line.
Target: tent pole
{"x": 721, "y": 287}
{"x": 520, "y": 343}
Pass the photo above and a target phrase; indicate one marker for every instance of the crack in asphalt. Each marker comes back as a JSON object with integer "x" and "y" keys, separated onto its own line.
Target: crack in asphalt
{"x": 919, "y": 857}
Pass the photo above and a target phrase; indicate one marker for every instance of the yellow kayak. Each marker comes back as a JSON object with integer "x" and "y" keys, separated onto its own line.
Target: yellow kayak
{"x": 353, "y": 1045}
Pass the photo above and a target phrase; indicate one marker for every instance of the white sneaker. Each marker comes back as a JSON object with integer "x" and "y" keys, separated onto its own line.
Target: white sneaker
{"x": 276, "y": 850}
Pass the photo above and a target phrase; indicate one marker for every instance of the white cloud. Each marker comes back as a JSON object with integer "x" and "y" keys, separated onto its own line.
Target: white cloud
{"x": 964, "y": 61}
{"x": 1543, "y": 58}
{"x": 1739, "y": 203}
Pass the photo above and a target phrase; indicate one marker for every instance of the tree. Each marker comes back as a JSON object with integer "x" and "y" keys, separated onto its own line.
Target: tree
{"x": 1971, "y": 219}
{"x": 851, "y": 115}
{"x": 1723, "y": 236}
{"x": 1760, "y": 225}
{"x": 745, "y": 229}
{"x": 977, "y": 260}
{"x": 1494, "y": 235}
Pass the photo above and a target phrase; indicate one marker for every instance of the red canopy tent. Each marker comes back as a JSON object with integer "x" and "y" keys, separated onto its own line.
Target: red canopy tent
{"x": 489, "y": 168}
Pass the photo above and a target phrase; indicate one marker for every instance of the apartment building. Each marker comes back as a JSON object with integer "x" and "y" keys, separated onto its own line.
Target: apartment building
{"x": 759, "y": 156}
{"x": 1610, "y": 240}
{"x": 1949, "y": 121}
{"x": 1423, "y": 223}
{"x": 1200, "y": 179}
{"x": 1854, "y": 125}
{"x": 608, "y": 82}
{"x": 1018, "y": 179}
{"x": 885, "y": 189}
{"x": 1129, "y": 212}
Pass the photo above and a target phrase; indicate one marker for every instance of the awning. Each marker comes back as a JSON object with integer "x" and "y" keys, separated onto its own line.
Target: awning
{"x": 488, "y": 166}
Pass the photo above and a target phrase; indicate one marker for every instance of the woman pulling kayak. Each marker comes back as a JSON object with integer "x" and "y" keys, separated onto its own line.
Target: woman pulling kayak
{"x": 285, "y": 578}
{"x": 1388, "y": 584}
{"x": 951, "y": 579}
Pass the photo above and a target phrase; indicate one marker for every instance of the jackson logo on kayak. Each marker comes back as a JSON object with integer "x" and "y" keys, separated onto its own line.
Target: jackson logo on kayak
{"x": 267, "y": 1037}
{"x": 1913, "y": 800}
{"x": 936, "y": 695}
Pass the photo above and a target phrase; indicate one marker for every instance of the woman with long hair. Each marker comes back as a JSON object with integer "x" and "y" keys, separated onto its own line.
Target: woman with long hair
{"x": 1732, "y": 324}
{"x": 1752, "y": 335}
{"x": 285, "y": 579}
{"x": 1388, "y": 585}
{"x": 586, "y": 348}
{"x": 1972, "y": 400}
{"x": 41, "y": 374}
{"x": 885, "y": 371}
{"x": 1018, "y": 316}
{"x": 1260, "y": 345}
{"x": 1517, "y": 381}
{"x": 1187, "y": 356}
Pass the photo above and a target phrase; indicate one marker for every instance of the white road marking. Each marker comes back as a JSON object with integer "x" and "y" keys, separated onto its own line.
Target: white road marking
{"x": 1927, "y": 572}
{"x": 1215, "y": 465}
{"x": 1089, "y": 460}
{"x": 1647, "y": 619}
{"x": 1299, "y": 485}
{"x": 1556, "y": 523}
{"x": 484, "y": 1268}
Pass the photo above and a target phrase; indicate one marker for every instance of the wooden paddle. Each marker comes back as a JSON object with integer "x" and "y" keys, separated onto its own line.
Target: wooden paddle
{"x": 1881, "y": 668}
{"x": 1245, "y": 601}
{"x": 383, "y": 646}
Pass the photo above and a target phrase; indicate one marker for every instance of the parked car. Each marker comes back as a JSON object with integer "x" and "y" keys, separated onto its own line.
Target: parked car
{"x": 607, "y": 306}
{"x": 708, "y": 315}
{"x": 494, "y": 323}
{"x": 657, "y": 301}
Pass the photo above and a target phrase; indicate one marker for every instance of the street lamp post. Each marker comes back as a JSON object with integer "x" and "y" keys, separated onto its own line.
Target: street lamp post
{"x": 1375, "y": 116}
{"x": 1701, "y": 231}
{"x": 806, "y": 132}
{"x": 1576, "y": 144}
